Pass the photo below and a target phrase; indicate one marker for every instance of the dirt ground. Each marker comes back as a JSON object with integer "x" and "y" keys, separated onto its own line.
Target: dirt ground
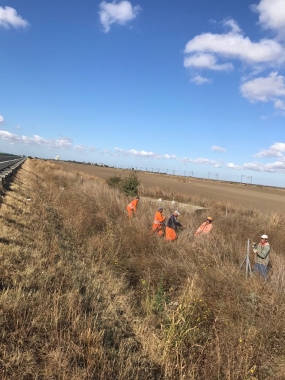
{"x": 254, "y": 197}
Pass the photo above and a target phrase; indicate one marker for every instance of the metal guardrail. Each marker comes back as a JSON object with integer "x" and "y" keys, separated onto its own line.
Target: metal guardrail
{"x": 10, "y": 169}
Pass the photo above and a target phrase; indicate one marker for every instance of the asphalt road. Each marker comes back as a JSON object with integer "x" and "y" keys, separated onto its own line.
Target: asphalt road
{"x": 8, "y": 160}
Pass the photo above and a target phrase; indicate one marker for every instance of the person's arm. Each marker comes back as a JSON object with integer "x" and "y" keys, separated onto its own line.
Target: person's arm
{"x": 178, "y": 224}
{"x": 200, "y": 229}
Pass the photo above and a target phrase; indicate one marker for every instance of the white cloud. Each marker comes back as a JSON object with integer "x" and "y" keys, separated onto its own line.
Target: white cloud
{"x": 10, "y": 18}
{"x": 233, "y": 45}
{"x": 144, "y": 154}
{"x": 200, "y": 161}
{"x": 220, "y": 51}
{"x": 264, "y": 89}
{"x": 117, "y": 13}
{"x": 152, "y": 155}
{"x": 1, "y": 119}
{"x": 271, "y": 15}
{"x": 233, "y": 25}
{"x": 35, "y": 140}
{"x": 17, "y": 127}
{"x": 218, "y": 148}
{"x": 274, "y": 167}
{"x": 206, "y": 61}
{"x": 233, "y": 166}
{"x": 268, "y": 153}
{"x": 275, "y": 150}
{"x": 80, "y": 148}
{"x": 279, "y": 104}
{"x": 198, "y": 79}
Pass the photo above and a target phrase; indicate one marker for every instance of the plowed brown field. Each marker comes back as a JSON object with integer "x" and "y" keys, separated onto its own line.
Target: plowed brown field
{"x": 260, "y": 198}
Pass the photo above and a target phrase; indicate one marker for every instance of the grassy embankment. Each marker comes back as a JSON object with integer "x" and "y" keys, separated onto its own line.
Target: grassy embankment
{"x": 86, "y": 294}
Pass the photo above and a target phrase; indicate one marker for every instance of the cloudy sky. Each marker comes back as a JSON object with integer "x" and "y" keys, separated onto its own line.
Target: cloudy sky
{"x": 183, "y": 86}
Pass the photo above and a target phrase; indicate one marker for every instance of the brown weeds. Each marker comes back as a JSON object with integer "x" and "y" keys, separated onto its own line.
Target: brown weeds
{"x": 86, "y": 293}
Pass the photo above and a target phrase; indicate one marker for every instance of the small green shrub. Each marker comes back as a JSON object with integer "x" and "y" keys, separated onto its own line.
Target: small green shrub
{"x": 160, "y": 298}
{"x": 130, "y": 184}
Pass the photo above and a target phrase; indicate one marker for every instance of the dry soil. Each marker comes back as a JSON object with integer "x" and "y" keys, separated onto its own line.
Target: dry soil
{"x": 262, "y": 198}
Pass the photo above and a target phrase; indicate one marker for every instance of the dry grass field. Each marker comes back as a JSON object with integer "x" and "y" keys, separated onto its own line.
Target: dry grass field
{"x": 260, "y": 198}
{"x": 87, "y": 294}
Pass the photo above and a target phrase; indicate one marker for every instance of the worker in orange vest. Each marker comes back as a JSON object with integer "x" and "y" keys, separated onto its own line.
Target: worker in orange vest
{"x": 158, "y": 222}
{"x": 171, "y": 226}
{"x": 205, "y": 228}
{"x": 132, "y": 206}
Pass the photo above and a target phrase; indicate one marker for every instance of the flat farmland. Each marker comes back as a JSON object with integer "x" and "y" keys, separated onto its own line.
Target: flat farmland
{"x": 266, "y": 199}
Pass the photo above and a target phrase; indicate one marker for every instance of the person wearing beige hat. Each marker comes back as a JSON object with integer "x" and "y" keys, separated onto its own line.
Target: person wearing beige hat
{"x": 205, "y": 227}
{"x": 262, "y": 251}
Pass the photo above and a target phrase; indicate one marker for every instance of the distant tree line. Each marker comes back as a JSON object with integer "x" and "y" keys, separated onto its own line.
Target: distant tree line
{"x": 7, "y": 154}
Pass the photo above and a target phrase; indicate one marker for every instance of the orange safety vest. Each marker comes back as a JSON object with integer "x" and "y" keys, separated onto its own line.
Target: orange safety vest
{"x": 204, "y": 229}
{"x": 158, "y": 218}
{"x": 133, "y": 204}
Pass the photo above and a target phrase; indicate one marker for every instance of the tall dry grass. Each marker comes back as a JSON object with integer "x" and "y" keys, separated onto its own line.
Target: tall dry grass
{"x": 88, "y": 294}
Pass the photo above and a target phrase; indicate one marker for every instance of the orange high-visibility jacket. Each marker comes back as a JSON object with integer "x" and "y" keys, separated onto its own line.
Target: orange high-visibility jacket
{"x": 158, "y": 220}
{"x": 170, "y": 234}
{"x": 204, "y": 229}
{"x": 133, "y": 205}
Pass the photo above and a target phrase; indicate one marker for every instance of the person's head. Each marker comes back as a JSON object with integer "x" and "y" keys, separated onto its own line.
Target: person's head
{"x": 264, "y": 238}
{"x": 160, "y": 209}
{"x": 209, "y": 220}
{"x": 176, "y": 213}
{"x": 138, "y": 198}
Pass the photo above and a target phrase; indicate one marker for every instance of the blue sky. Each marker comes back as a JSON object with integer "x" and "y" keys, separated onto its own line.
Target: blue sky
{"x": 187, "y": 86}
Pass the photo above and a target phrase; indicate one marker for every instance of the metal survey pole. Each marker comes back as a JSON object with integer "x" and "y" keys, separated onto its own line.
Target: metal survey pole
{"x": 247, "y": 264}
{"x": 246, "y": 261}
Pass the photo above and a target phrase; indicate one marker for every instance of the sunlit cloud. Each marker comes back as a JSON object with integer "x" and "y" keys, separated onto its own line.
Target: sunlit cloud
{"x": 200, "y": 161}
{"x": 233, "y": 166}
{"x": 275, "y": 150}
{"x": 206, "y": 49}
{"x": 206, "y": 61}
{"x": 1, "y": 119}
{"x": 218, "y": 148}
{"x": 79, "y": 148}
{"x": 145, "y": 154}
{"x": 117, "y": 13}
{"x": 135, "y": 153}
{"x": 265, "y": 89}
{"x": 271, "y": 15}
{"x": 224, "y": 51}
{"x": 274, "y": 167}
{"x": 198, "y": 79}
{"x": 156, "y": 156}
{"x": 35, "y": 140}
{"x": 279, "y": 104}
{"x": 10, "y": 18}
